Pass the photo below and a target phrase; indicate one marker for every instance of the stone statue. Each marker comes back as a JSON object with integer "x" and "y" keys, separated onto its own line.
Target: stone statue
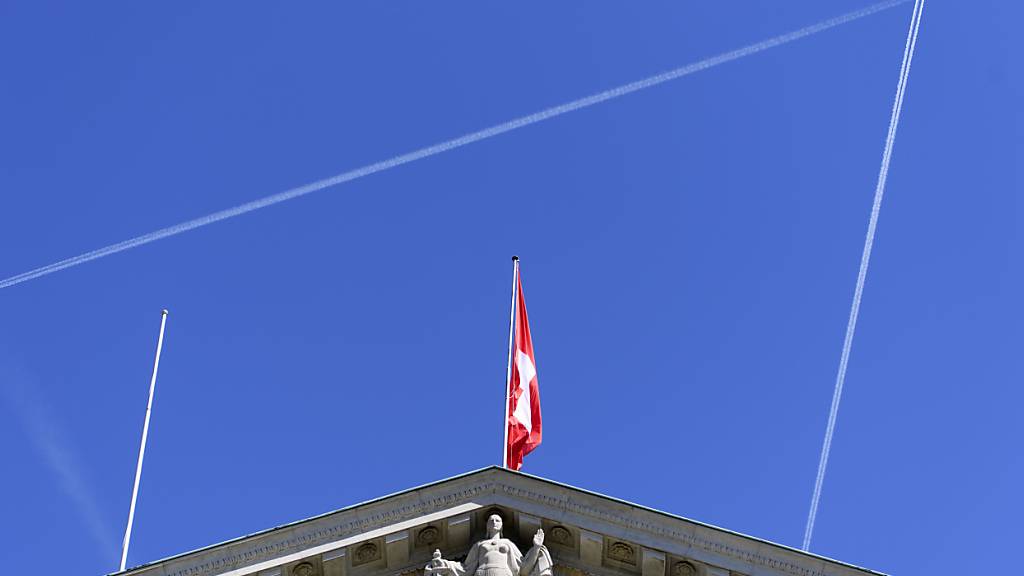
{"x": 496, "y": 556}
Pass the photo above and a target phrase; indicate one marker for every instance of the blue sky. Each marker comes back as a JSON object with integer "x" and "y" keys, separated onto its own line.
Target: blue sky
{"x": 688, "y": 256}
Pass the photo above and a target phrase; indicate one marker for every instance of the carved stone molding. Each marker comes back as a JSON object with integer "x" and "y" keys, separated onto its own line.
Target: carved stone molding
{"x": 752, "y": 556}
{"x": 491, "y": 487}
{"x": 259, "y": 553}
{"x": 620, "y": 552}
{"x": 365, "y": 553}
{"x": 562, "y": 536}
{"x": 684, "y": 568}
{"x": 304, "y": 569}
{"x": 428, "y": 536}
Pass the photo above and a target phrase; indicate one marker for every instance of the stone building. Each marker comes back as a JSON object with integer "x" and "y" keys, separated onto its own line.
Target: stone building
{"x": 581, "y": 534}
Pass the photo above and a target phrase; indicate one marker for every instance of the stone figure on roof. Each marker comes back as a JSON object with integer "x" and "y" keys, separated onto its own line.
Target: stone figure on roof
{"x": 496, "y": 556}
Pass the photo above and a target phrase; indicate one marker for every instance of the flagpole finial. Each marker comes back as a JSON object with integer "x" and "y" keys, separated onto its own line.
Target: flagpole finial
{"x": 515, "y": 258}
{"x": 164, "y": 312}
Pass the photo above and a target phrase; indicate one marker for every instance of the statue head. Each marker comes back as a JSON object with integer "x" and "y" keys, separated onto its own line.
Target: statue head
{"x": 493, "y": 525}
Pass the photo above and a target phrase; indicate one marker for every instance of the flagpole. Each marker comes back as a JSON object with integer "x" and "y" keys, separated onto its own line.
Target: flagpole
{"x": 142, "y": 446}
{"x": 511, "y": 347}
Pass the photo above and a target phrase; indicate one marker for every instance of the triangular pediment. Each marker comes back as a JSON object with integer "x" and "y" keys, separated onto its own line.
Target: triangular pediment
{"x": 587, "y": 534}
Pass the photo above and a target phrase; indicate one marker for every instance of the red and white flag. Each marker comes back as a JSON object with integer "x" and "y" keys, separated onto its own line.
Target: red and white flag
{"x": 524, "y": 397}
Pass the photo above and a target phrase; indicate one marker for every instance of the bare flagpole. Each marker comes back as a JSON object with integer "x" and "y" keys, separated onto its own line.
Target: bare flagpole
{"x": 511, "y": 350}
{"x": 142, "y": 446}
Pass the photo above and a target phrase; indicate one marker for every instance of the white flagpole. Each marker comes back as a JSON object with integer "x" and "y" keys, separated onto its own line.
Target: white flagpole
{"x": 511, "y": 351}
{"x": 142, "y": 446}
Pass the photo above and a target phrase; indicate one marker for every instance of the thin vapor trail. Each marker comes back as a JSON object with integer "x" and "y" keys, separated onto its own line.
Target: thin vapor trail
{"x": 51, "y": 443}
{"x": 449, "y": 144}
{"x": 851, "y": 326}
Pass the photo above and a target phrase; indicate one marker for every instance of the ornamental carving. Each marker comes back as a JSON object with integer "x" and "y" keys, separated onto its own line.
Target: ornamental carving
{"x": 304, "y": 569}
{"x": 560, "y": 535}
{"x": 622, "y": 552}
{"x": 684, "y": 569}
{"x": 366, "y": 552}
{"x": 495, "y": 556}
{"x": 209, "y": 563}
{"x": 428, "y": 536}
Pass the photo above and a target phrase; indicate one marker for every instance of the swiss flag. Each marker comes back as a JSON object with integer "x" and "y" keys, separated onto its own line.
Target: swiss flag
{"x": 524, "y": 397}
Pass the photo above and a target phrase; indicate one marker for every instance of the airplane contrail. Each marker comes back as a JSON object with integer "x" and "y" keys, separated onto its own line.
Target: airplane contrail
{"x": 449, "y": 144}
{"x": 858, "y": 293}
{"x": 56, "y": 451}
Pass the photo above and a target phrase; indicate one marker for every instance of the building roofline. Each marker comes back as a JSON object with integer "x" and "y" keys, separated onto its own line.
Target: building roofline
{"x": 499, "y": 470}
{"x": 266, "y": 531}
{"x": 690, "y": 520}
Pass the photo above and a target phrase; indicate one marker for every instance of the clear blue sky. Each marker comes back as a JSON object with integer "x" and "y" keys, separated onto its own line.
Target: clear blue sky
{"x": 689, "y": 255}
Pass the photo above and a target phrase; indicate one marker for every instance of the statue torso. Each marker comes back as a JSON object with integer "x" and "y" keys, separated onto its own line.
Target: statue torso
{"x": 494, "y": 557}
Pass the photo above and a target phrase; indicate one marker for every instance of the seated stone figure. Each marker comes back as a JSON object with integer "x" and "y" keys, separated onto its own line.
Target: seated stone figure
{"x": 496, "y": 556}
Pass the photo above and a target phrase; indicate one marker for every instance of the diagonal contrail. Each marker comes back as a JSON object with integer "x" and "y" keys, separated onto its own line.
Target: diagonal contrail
{"x": 449, "y": 144}
{"x": 869, "y": 240}
{"x": 51, "y": 442}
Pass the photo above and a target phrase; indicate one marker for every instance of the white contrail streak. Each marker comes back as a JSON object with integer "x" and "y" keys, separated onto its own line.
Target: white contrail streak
{"x": 50, "y": 441}
{"x": 851, "y": 326}
{"x": 449, "y": 144}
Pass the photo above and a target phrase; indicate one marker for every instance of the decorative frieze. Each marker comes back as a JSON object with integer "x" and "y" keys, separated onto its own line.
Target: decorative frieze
{"x": 571, "y": 513}
{"x": 428, "y": 536}
{"x": 684, "y": 568}
{"x": 367, "y": 552}
{"x": 751, "y": 555}
{"x": 621, "y": 555}
{"x": 272, "y": 548}
{"x": 562, "y": 536}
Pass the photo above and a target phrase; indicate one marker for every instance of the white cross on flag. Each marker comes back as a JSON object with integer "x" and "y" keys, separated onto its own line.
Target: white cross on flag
{"x": 524, "y": 397}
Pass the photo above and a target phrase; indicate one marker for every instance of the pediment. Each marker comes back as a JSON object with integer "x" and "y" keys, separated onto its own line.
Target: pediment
{"x": 587, "y": 534}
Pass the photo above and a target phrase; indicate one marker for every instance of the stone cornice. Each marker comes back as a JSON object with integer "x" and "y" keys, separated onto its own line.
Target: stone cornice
{"x": 495, "y": 486}
{"x": 332, "y": 532}
{"x": 661, "y": 529}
